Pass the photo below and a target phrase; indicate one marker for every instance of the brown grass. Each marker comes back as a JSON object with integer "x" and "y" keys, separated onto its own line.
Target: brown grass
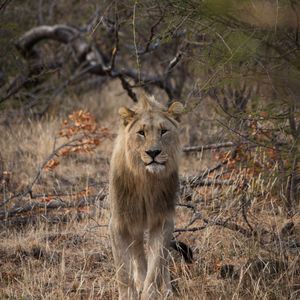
{"x": 66, "y": 254}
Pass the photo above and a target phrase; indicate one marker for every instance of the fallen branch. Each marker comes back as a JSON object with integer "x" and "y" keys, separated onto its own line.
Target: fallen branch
{"x": 223, "y": 223}
{"x": 53, "y": 204}
{"x": 209, "y": 147}
{"x": 193, "y": 229}
{"x": 198, "y": 181}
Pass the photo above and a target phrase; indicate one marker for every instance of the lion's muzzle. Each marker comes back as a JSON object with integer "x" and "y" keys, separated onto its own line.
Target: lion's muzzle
{"x": 157, "y": 162}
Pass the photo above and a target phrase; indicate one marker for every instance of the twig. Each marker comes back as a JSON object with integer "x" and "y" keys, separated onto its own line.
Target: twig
{"x": 245, "y": 137}
{"x": 116, "y": 48}
{"x": 135, "y": 42}
{"x": 94, "y": 21}
{"x": 190, "y": 206}
{"x": 149, "y": 45}
{"x": 244, "y": 214}
{"x": 211, "y": 170}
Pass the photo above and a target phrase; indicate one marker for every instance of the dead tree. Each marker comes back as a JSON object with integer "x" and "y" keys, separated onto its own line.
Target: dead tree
{"x": 87, "y": 59}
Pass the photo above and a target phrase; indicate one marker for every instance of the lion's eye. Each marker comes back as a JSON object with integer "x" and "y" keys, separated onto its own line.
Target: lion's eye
{"x": 141, "y": 132}
{"x": 163, "y": 131}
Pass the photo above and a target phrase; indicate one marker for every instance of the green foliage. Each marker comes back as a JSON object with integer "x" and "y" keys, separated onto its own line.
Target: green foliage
{"x": 217, "y": 8}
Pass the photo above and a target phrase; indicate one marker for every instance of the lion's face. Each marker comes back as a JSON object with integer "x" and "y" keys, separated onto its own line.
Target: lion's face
{"x": 151, "y": 140}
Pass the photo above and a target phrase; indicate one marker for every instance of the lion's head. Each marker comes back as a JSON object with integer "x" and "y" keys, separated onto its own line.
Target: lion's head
{"x": 151, "y": 137}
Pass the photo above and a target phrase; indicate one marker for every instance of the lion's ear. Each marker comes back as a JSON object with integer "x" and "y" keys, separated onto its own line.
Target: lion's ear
{"x": 126, "y": 114}
{"x": 175, "y": 110}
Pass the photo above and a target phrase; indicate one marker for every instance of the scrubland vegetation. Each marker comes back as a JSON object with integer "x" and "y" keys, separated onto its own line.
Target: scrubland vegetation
{"x": 235, "y": 67}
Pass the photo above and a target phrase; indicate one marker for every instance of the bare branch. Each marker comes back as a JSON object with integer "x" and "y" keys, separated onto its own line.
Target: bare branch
{"x": 193, "y": 229}
{"x": 53, "y": 204}
{"x": 60, "y": 33}
{"x": 4, "y": 4}
{"x": 150, "y": 45}
{"x": 174, "y": 62}
{"x": 87, "y": 52}
{"x": 198, "y": 181}
{"x": 126, "y": 86}
{"x": 213, "y": 169}
{"x": 208, "y": 147}
{"x": 223, "y": 223}
{"x": 116, "y": 48}
{"x": 84, "y": 52}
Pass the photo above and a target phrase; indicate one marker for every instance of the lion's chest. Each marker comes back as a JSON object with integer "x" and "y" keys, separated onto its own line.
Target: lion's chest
{"x": 138, "y": 202}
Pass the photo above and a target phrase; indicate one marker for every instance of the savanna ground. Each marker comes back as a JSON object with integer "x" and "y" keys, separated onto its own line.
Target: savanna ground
{"x": 64, "y": 253}
{"x": 233, "y": 64}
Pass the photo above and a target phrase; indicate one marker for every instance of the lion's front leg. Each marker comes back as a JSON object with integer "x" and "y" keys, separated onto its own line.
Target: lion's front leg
{"x": 139, "y": 260}
{"x": 121, "y": 247}
{"x": 158, "y": 274}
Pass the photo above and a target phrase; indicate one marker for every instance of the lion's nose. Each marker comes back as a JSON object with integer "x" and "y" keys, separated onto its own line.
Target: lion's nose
{"x": 153, "y": 153}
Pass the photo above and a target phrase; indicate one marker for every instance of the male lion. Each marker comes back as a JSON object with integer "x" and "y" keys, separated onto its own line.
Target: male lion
{"x": 143, "y": 185}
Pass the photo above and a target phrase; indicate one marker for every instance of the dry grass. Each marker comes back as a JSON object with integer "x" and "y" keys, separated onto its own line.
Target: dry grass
{"x": 66, "y": 254}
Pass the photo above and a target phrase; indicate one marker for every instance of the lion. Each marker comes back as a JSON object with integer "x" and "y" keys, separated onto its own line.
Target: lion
{"x": 142, "y": 193}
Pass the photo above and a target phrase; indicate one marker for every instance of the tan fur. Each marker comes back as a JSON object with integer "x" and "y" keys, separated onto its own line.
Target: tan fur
{"x": 142, "y": 197}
